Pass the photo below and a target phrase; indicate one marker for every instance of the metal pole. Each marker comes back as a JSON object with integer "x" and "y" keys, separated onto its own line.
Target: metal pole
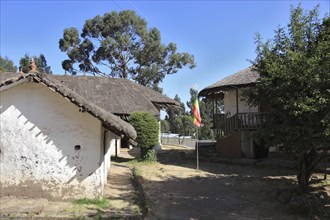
{"x": 197, "y": 150}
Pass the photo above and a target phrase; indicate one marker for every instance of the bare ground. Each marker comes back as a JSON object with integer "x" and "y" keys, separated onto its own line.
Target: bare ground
{"x": 119, "y": 192}
{"x": 174, "y": 189}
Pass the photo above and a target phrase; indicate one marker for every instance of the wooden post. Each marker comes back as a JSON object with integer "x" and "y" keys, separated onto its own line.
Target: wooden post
{"x": 236, "y": 100}
{"x": 197, "y": 153}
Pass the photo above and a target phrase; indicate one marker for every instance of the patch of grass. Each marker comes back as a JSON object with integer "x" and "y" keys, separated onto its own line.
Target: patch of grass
{"x": 137, "y": 201}
{"x": 139, "y": 197}
{"x": 80, "y": 217}
{"x": 133, "y": 162}
{"x": 32, "y": 214}
{"x": 12, "y": 215}
{"x": 137, "y": 211}
{"x": 98, "y": 215}
{"x": 136, "y": 163}
{"x": 99, "y": 203}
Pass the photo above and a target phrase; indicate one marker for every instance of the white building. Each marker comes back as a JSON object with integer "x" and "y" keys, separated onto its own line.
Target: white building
{"x": 54, "y": 143}
{"x": 236, "y": 126}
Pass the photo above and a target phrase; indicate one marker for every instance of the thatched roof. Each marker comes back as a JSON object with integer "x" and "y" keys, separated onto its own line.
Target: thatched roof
{"x": 242, "y": 78}
{"x": 109, "y": 120}
{"x": 116, "y": 95}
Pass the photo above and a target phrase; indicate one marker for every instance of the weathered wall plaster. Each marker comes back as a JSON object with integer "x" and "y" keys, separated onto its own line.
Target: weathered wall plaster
{"x": 48, "y": 148}
{"x": 230, "y": 103}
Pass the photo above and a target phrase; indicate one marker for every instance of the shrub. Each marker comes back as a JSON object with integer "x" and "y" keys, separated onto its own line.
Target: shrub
{"x": 147, "y": 130}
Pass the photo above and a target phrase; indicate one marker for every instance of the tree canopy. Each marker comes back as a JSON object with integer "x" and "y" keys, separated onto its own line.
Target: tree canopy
{"x": 40, "y": 62}
{"x": 181, "y": 122}
{"x": 119, "y": 44}
{"x": 294, "y": 79}
{"x": 172, "y": 114}
{"x": 7, "y": 65}
{"x": 185, "y": 125}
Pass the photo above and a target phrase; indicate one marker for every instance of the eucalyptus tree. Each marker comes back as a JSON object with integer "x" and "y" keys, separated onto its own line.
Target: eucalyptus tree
{"x": 119, "y": 44}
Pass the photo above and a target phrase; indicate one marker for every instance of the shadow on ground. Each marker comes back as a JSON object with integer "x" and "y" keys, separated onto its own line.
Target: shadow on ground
{"x": 175, "y": 190}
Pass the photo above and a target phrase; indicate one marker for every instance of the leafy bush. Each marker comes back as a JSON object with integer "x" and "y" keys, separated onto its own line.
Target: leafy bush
{"x": 147, "y": 130}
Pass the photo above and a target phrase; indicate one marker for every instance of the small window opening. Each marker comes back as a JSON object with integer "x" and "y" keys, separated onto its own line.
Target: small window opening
{"x": 77, "y": 147}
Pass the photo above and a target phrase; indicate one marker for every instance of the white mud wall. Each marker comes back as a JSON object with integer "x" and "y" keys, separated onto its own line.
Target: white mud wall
{"x": 48, "y": 148}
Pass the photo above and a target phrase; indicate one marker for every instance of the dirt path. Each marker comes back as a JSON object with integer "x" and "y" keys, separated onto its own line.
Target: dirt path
{"x": 175, "y": 190}
{"x": 121, "y": 193}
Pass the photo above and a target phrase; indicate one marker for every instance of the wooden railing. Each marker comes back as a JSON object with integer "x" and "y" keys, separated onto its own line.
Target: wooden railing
{"x": 226, "y": 126}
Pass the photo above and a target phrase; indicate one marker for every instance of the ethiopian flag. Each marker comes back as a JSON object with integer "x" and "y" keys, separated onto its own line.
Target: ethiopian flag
{"x": 197, "y": 115}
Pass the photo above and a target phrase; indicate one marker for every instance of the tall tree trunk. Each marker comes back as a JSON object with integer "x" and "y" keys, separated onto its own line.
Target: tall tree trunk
{"x": 307, "y": 164}
{"x": 303, "y": 175}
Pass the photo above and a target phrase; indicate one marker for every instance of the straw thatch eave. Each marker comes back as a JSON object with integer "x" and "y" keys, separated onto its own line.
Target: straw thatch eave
{"x": 10, "y": 78}
{"x": 241, "y": 79}
{"x": 110, "y": 121}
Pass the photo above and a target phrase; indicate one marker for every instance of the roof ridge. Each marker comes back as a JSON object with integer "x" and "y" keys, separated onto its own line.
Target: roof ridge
{"x": 241, "y": 78}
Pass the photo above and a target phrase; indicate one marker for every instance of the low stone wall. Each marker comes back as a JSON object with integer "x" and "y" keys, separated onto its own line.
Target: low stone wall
{"x": 188, "y": 142}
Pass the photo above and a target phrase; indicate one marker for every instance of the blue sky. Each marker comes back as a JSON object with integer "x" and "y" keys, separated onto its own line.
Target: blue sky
{"x": 220, "y": 34}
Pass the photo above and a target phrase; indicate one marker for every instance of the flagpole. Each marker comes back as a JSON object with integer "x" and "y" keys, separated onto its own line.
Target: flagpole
{"x": 197, "y": 121}
{"x": 197, "y": 156}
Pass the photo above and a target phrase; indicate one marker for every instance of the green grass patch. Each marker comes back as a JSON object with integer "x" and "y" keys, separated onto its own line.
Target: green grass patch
{"x": 99, "y": 203}
{"x": 12, "y": 215}
{"x": 138, "y": 162}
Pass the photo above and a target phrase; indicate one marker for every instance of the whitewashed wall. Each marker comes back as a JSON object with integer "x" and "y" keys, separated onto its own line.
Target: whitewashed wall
{"x": 230, "y": 103}
{"x": 159, "y": 145}
{"x": 39, "y": 132}
{"x": 115, "y": 144}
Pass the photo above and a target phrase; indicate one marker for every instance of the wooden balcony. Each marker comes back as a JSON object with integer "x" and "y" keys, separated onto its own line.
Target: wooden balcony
{"x": 225, "y": 126}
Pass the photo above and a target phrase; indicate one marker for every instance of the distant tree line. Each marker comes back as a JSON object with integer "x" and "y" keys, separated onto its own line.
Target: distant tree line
{"x": 7, "y": 65}
{"x": 181, "y": 122}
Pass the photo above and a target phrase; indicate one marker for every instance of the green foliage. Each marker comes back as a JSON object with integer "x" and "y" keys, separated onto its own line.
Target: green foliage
{"x": 147, "y": 130}
{"x": 190, "y": 103}
{"x": 206, "y": 132}
{"x": 181, "y": 122}
{"x": 295, "y": 80}
{"x": 172, "y": 114}
{"x": 164, "y": 126}
{"x": 148, "y": 154}
{"x": 7, "y": 65}
{"x": 185, "y": 125}
{"x": 40, "y": 62}
{"x": 156, "y": 87}
{"x": 122, "y": 43}
{"x": 146, "y": 127}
